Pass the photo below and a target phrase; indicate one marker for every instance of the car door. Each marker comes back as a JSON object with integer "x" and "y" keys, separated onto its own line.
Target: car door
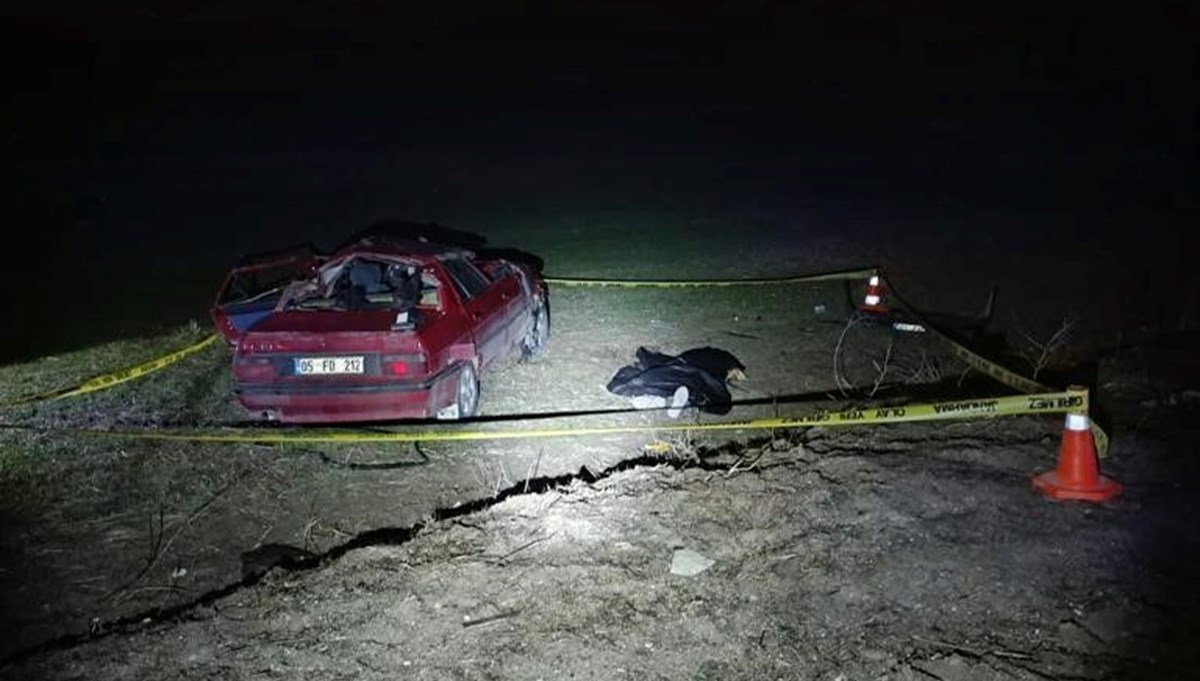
{"x": 484, "y": 303}
{"x": 507, "y": 278}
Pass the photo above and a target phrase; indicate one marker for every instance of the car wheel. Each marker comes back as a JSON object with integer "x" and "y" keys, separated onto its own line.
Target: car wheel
{"x": 535, "y": 340}
{"x": 467, "y": 396}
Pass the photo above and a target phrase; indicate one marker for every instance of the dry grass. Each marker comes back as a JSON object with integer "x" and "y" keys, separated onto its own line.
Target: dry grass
{"x": 869, "y": 359}
{"x": 71, "y": 368}
{"x": 1054, "y": 351}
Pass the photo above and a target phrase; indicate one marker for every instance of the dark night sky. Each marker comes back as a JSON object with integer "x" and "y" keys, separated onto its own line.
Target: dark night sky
{"x": 889, "y": 85}
{"x": 116, "y": 114}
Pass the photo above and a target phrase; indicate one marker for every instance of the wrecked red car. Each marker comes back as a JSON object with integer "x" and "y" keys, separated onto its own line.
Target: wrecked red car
{"x": 381, "y": 330}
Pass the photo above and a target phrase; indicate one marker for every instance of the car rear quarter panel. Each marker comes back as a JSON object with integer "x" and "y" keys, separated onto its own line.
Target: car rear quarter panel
{"x": 450, "y": 338}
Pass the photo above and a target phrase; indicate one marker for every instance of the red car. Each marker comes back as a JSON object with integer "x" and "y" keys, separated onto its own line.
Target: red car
{"x": 382, "y": 329}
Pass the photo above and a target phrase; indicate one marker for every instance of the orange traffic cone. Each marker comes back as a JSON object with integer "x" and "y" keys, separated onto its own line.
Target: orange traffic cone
{"x": 1078, "y": 474}
{"x": 873, "y": 301}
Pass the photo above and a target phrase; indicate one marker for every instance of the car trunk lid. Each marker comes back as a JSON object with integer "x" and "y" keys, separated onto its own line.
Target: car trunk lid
{"x": 290, "y": 335}
{"x": 325, "y": 322}
{"x": 315, "y": 353}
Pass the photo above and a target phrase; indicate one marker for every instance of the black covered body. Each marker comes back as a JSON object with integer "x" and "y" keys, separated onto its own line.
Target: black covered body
{"x": 703, "y": 371}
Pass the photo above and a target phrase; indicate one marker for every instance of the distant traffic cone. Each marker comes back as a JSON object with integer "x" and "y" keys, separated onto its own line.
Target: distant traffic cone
{"x": 873, "y": 301}
{"x": 1077, "y": 476}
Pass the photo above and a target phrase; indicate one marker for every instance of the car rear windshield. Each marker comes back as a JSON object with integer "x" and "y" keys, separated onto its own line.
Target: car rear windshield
{"x": 256, "y": 281}
{"x": 369, "y": 284}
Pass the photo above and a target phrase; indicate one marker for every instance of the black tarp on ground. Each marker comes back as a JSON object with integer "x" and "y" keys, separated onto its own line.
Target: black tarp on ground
{"x": 703, "y": 371}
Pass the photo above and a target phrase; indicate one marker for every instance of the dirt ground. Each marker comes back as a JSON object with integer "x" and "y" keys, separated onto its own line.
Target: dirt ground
{"x": 907, "y": 552}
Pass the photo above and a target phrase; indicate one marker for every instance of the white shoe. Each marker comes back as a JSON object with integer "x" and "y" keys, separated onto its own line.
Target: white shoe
{"x": 648, "y": 402}
{"x": 678, "y": 401}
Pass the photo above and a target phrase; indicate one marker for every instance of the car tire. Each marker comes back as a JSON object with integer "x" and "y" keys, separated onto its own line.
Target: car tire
{"x": 535, "y": 339}
{"x": 466, "y": 395}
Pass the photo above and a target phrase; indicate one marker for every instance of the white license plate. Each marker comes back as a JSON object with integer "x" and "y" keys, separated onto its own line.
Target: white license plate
{"x": 321, "y": 366}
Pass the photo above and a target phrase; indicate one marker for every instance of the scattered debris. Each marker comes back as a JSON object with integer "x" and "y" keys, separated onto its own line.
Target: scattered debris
{"x": 688, "y": 563}
{"x": 469, "y": 622}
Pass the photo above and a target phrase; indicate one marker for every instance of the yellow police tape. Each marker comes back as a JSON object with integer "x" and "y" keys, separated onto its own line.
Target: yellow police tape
{"x": 710, "y": 283}
{"x": 1069, "y": 401}
{"x": 968, "y": 356}
{"x": 106, "y": 381}
{"x": 1043, "y": 400}
{"x": 985, "y": 366}
{"x": 118, "y": 377}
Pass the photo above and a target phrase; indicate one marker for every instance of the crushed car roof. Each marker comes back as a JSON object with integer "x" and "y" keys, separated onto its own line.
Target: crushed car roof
{"x": 411, "y": 248}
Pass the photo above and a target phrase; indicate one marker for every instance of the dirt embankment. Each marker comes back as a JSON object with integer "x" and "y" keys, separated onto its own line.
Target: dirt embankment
{"x": 913, "y": 551}
{"x": 908, "y": 552}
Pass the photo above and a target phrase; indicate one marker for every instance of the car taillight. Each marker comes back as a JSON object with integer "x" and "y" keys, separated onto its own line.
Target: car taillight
{"x": 402, "y": 365}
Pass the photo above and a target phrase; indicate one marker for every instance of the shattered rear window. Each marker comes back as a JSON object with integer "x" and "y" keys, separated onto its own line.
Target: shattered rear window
{"x": 364, "y": 283}
{"x": 256, "y": 282}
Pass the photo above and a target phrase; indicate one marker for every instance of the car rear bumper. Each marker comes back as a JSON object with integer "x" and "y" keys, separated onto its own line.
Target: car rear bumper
{"x": 296, "y": 402}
